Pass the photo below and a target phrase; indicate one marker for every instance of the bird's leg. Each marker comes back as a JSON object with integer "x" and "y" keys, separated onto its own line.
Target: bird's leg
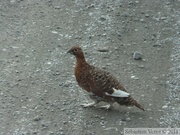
{"x": 107, "y": 107}
{"x": 89, "y": 104}
{"x": 95, "y": 99}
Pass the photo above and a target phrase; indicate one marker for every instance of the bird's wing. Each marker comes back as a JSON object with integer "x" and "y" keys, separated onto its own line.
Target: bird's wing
{"x": 107, "y": 84}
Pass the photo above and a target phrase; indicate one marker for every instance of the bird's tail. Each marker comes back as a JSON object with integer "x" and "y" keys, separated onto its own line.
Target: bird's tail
{"x": 130, "y": 102}
{"x": 138, "y": 105}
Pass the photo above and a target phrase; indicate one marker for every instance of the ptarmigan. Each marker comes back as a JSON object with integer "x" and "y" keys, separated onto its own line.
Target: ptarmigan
{"x": 100, "y": 84}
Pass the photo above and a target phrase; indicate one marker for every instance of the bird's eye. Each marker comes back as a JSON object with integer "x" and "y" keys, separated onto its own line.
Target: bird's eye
{"x": 75, "y": 50}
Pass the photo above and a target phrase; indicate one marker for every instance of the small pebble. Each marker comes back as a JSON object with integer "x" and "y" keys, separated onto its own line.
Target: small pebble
{"x": 147, "y": 15}
{"x": 137, "y": 55}
{"x": 156, "y": 45}
{"x": 103, "y": 50}
{"x": 163, "y": 18}
{"x": 66, "y": 85}
{"x": 102, "y": 18}
{"x": 54, "y": 32}
{"x": 102, "y": 123}
{"x": 37, "y": 119}
{"x": 65, "y": 122}
{"x": 128, "y": 119}
{"x": 141, "y": 66}
{"x": 165, "y": 106}
{"x": 134, "y": 77}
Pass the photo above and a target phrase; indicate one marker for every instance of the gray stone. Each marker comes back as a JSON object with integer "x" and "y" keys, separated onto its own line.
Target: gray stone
{"x": 137, "y": 55}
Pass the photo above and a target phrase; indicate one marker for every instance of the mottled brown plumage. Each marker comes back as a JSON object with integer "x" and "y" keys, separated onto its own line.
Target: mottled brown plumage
{"x": 101, "y": 85}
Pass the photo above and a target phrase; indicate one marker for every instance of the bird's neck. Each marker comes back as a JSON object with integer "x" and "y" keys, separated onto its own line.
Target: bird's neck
{"x": 80, "y": 59}
{"x": 80, "y": 62}
{"x": 80, "y": 67}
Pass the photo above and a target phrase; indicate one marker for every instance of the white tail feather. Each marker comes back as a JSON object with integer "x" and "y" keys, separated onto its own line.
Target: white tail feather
{"x": 118, "y": 93}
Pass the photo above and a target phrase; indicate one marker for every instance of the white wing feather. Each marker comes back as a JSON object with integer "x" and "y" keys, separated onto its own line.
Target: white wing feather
{"x": 118, "y": 93}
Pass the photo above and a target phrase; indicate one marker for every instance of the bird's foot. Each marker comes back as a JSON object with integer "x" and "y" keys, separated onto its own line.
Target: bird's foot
{"x": 107, "y": 107}
{"x": 88, "y": 104}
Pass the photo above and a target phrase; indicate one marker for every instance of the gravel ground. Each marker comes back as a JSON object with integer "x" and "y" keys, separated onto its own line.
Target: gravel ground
{"x": 172, "y": 102}
{"x": 38, "y": 91}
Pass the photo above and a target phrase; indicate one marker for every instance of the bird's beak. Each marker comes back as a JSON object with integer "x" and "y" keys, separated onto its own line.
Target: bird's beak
{"x": 69, "y": 51}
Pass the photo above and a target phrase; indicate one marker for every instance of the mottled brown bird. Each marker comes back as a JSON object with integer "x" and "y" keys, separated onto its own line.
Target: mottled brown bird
{"x": 100, "y": 84}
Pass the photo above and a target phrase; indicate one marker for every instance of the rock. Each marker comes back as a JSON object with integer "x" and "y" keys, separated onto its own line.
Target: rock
{"x": 66, "y": 85}
{"x": 163, "y": 18}
{"x": 103, "y": 50}
{"x": 157, "y": 45}
{"x": 165, "y": 106}
{"x": 134, "y": 77}
{"x": 102, "y": 118}
{"x": 51, "y": 133}
{"x": 141, "y": 66}
{"x": 65, "y": 122}
{"x": 102, "y": 18}
{"x": 128, "y": 119}
{"x": 137, "y": 55}
{"x": 37, "y": 118}
{"x": 147, "y": 15}
{"x": 44, "y": 126}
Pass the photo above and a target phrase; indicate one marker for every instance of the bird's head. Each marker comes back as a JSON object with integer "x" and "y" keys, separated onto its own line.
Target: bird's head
{"x": 76, "y": 51}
